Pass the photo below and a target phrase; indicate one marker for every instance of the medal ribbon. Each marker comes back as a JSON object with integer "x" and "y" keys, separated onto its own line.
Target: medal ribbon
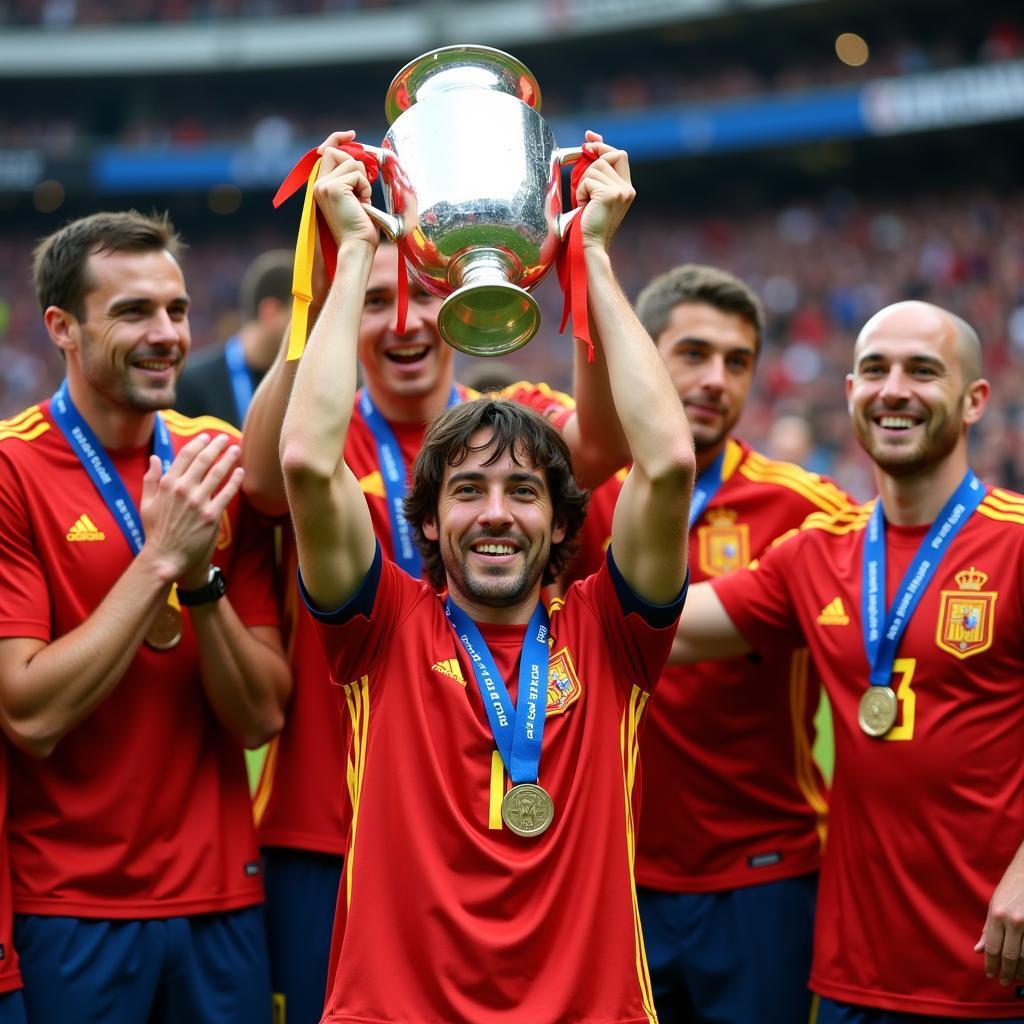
{"x": 705, "y": 487}
{"x": 882, "y": 638}
{"x": 395, "y": 475}
{"x": 104, "y": 476}
{"x": 241, "y": 379}
{"x": 518, "y": 739}
{"x": 311, "y": 225}
{"x": 572, "y": 269}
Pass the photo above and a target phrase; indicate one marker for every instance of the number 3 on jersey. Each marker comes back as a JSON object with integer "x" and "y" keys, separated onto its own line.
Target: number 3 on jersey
{"x": 902, "y": 680}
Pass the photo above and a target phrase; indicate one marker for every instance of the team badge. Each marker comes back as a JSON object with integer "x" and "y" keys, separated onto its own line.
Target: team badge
{"x": 724, "y": 543}
{"x": 564, "y": 686}
{"x": 966, "y": 616}
{"x": 223, "y": 532}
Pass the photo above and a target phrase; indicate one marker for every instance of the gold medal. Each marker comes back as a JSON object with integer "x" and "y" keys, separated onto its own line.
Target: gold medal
{"x": 527, "y": 810}
{"x": 876, "y": 713}
{"x": 166, "y": 629}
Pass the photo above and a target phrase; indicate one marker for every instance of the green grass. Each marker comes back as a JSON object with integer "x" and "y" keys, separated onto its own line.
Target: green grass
{"x": 824, "y": 748}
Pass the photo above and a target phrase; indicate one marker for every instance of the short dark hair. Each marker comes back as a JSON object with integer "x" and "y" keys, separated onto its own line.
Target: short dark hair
{"x": 60, "y": 263}
{"x": 516, "y": 429}
{"x": 269, "y": 276}
{"x": 694, "y": 282}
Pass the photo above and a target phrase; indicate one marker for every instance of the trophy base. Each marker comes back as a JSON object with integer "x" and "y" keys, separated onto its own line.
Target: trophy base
{"x": 487, "y": 315}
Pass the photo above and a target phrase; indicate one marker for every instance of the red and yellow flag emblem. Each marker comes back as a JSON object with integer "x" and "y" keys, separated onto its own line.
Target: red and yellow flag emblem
{"x": 724, "y": 544}
{"x": 966, "y": 616}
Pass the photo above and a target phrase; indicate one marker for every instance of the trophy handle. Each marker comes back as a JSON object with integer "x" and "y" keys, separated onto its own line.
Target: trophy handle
{"x": 568, "y": 155}
{"x": 392, "y": 226}
{"x": 563, "y": 220}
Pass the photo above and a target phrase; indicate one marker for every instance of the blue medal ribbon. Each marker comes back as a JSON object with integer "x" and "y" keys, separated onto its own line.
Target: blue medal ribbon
{"x": 104, "y": 476}
{"x": 705, "y": 487}
{"x": 883, "y": 631}
{"x": 395, "y": 475}
{"x": 518, "y": 729}
{"x": 238, "y": 371}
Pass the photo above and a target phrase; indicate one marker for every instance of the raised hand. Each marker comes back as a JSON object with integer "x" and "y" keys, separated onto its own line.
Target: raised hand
{"x": 605, "y": 192}
{"x": 181, "y": 509}
{"x": 340, "y": 191}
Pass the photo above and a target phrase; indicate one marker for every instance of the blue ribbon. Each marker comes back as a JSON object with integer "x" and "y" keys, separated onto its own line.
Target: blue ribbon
{"x": 395, "y": 475}
{"x": 705, "y": 487}
{"x": 104, "y": 476}
{"x": 517, "y": 738}
{"x": 238, "y": 371}
{"x": 882, "y": 632}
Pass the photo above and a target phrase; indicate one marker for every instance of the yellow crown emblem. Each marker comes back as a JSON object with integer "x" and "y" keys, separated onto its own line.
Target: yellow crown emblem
{"x": 971, "y": 579}
{"x": 721, "y": 516}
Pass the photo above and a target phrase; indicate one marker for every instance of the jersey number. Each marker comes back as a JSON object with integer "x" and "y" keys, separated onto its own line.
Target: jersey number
{"x": 903, "y": 677}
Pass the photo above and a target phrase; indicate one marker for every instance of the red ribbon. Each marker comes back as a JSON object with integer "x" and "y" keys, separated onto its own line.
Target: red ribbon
{"x": 572, "y": 270}
{"x": 299, "y": 176}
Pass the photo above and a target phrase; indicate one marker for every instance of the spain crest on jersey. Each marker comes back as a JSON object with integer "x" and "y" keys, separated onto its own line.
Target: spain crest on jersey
{"x": 724, "y": 544}
{"x": 966, "y": 615}
{"x": 564, "y": 687}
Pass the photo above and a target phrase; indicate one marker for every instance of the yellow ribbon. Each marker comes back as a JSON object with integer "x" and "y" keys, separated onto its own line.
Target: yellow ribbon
{"x": 302, "y": 272}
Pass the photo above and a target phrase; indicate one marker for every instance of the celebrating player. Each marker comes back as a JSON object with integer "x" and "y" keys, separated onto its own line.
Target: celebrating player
{"x": 302, "y": 803}
{"x": 910, "y": 607}
{"x": 493, "y": 902}
{"x": 733, "y": 811}
{"x": 140, "y": 651}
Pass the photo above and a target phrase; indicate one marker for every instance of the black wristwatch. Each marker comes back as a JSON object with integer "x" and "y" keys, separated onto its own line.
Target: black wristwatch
{"x": 213, "y": 590}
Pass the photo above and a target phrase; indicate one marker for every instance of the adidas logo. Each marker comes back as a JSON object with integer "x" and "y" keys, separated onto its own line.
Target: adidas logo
{"x": 85, "y": 529}
{"x": 834, "y": 614}
{"x": 450, "y": 668}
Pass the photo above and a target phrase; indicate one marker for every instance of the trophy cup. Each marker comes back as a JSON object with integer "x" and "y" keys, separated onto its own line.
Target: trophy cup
{"x": 472, "y": 183}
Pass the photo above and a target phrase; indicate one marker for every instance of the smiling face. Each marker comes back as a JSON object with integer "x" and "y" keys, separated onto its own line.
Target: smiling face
{"x": 495, "y": 528}
{"x": 710, "y": 357}
{"x": 131, "y": 345}
{"x": 401, "y": 368}
{"x": 909, "y": 397}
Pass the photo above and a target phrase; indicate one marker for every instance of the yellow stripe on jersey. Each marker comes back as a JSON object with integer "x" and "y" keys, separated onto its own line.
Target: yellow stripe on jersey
{"x": 357, "y": 698}
{"x": 1009, "y": 498}
{"x": 26, "y": 426}
{"x": 840, "y": 522}
{"x": 261, "y": 798}
{"x": 629, "y": 749}
{"x": 1001, "y": 517}
{"x": 819, "y": 492}
{"x": 733, "y": 457}
{"x": 545, "y": 389}
{"x": 497, "y": 791}
{"x": 189, "y": 426}
{"x": 804, "y": 758}
{"x": 25, "y": 434}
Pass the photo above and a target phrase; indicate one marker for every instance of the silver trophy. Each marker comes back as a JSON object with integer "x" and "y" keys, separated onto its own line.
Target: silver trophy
{"x": 472, "y": 182}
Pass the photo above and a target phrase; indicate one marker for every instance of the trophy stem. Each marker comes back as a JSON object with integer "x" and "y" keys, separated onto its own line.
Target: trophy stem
{"x": 487, "y": 315}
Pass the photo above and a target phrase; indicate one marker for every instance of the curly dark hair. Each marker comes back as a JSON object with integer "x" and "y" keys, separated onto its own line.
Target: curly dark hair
{"x": 514, "y": 428}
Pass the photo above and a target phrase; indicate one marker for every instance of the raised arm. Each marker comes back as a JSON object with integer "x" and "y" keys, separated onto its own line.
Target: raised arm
{"x": 333, "y": 531}
{"x": 593, "y": 433}
{"x": 649, "y": 528}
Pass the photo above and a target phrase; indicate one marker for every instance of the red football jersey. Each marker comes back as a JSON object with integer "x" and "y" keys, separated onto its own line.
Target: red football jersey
{"x": 529, "y": 930}
{"x": 143, "y": 809}
{"x": 10, "y": 976}
{"x": 924, "y": 822}
{"x": 302, "y": 800}
{"x": 731, "y": 794}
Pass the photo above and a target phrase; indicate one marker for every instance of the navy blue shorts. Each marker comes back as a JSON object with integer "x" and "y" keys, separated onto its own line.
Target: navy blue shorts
{"x": 302, "y": 892}
{"x": 831, "y": 1012}
{"x": 12, "y": 1008}
{"x": 202, "y": 969}
{"x": 741, "y": 956}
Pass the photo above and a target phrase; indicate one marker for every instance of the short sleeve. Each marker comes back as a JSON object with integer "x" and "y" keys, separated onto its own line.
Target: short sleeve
{"x": 24, "y": 595}
{"x": 252, "y": 578}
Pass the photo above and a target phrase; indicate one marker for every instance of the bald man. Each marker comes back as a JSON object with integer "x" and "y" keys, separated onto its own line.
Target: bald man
{"x": 911, "y": 608}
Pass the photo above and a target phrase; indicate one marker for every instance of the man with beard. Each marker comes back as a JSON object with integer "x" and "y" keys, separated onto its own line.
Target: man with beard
{"x": 733, "y": 813}
{"x": 463, "y": 898}
{"x": 303, "y": 802}
{"x": 139, "y": 651}
{"x": 911, "y": 609}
